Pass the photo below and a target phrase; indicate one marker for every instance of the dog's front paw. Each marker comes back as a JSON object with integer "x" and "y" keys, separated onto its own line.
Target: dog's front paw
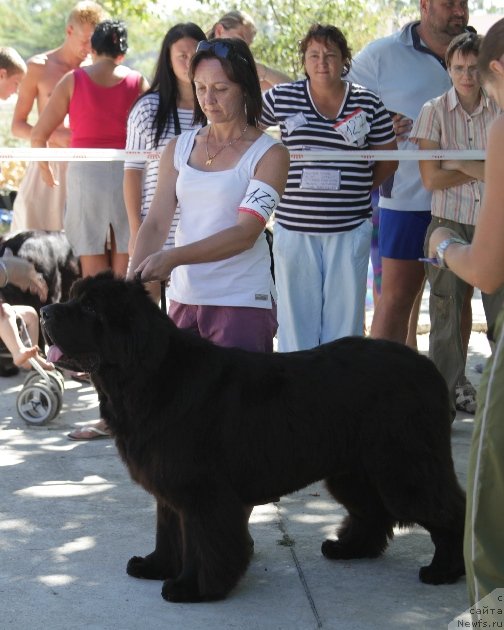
{"x": 146, "y": 568}
{"x": 333, "y": 550}
{"x": 439, "y": 575}
{"x": 338, "y": 550}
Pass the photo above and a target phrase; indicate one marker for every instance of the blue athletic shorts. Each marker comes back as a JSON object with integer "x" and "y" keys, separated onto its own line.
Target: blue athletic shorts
{"x": 402, "y": 233}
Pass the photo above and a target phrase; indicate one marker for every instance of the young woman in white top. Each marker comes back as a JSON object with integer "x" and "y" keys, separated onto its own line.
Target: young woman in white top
{"x": 162, "y": 112}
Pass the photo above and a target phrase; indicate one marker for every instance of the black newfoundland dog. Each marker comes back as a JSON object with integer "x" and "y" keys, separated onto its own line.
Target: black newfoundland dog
{"x": 210, "y": 430}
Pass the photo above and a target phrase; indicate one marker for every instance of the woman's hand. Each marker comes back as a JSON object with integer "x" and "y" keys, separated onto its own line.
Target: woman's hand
{"x": 452, "y": 165}
{"x": 437, "y": 237}
{"x": 23, "y": 274}
{"x": 157, "y": 266}
{"x": 47, "y": 175}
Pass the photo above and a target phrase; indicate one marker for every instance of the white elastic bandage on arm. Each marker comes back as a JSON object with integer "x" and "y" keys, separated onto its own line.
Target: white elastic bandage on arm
{"x": 260, "y": 200}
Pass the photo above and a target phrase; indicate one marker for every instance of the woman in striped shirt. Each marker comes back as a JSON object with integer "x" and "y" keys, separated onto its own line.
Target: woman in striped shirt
{"x": 322, "y": 232}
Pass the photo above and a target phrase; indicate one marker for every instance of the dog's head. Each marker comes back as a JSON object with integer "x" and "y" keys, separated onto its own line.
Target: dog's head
{"x": 102, "y": 323}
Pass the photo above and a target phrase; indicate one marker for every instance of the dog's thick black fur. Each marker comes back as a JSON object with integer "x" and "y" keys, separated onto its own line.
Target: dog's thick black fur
{"x": 52, "y": 256}
{"x": 210, "y": 430}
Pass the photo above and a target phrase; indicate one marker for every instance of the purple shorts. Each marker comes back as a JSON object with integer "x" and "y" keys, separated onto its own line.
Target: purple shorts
{"x": 228, "y": 326}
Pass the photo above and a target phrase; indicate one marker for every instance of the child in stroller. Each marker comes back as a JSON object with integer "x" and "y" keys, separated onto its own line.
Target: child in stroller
{"x": 21, "y": 273}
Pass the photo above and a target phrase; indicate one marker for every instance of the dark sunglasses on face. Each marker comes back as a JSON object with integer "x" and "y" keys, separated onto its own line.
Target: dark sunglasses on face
{"x": 223, "y": 50}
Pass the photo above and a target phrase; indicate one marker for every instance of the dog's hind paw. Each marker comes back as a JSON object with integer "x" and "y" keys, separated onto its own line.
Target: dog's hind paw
{"x": 437, "y": 575}
{"x": 145, "y": 568}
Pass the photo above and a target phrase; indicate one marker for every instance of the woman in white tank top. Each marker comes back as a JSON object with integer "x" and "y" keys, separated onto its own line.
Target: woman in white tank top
{"x": 227, "y": 178}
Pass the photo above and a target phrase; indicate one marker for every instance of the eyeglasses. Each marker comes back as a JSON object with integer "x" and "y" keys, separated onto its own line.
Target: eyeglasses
{"x": 223, "y": 50}
{"x": 472, "y": 71}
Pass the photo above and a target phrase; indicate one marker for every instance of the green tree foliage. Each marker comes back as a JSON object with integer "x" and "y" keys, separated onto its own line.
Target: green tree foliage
{"x": 282, "y": 23}
{"x": 33, "y": 26}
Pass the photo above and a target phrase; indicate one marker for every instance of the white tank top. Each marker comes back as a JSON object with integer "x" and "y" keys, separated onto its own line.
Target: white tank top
{"x": 209, "y": 203}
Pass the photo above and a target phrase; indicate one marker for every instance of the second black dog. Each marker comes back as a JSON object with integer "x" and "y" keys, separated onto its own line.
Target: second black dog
{"x": 52, "y": 256}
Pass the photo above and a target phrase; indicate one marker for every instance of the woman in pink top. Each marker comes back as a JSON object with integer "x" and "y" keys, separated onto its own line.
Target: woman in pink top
{"x": 97, "y": 99}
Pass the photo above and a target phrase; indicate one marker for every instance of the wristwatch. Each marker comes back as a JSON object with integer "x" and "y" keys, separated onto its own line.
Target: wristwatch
{"x": 443, "y": 246}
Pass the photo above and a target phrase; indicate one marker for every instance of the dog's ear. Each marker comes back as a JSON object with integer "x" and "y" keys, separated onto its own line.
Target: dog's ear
{"x": 147, "y": 329}
{"x": 74, "y": 289}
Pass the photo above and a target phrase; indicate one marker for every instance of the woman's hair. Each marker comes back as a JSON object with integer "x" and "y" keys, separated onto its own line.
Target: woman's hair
{"x": 233, "y": 19}
{"x": 491, "y": 48}
{"x": 466, "y": 43}
{"x": 110, "y": 38}
{"x": 164, "y": 81}
{"x": 238, "y": 63}
{"x": 327, "y": 33}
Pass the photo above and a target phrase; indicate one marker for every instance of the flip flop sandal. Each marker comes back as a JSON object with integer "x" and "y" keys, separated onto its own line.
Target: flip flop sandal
{"x": 96, "y": 434}
{"x": 81, "y": 377}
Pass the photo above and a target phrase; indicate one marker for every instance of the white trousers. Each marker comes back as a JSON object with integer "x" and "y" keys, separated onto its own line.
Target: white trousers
{"x": 321, "y": 283}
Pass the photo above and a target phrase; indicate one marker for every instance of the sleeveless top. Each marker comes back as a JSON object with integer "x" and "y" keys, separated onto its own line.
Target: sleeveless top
{"x": 99, "y": 114}
{"x": 209, "y": 203}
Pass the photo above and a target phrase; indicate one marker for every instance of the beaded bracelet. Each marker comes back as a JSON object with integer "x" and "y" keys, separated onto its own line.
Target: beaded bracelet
{"x": 3, "y": 267}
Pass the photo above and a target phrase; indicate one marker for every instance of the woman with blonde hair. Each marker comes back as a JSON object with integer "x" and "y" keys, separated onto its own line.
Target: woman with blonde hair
{"x": 240, "y": 24}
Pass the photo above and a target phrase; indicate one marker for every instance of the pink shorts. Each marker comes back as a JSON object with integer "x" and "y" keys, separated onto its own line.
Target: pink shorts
{"x": 228, "y": 326}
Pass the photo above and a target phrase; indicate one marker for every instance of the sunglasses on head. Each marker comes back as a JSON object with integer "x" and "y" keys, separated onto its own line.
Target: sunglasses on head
{"x": 223, "y": 50}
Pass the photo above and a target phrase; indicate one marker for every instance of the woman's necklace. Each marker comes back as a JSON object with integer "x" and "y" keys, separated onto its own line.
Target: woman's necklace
{"x": 210, "y": 158}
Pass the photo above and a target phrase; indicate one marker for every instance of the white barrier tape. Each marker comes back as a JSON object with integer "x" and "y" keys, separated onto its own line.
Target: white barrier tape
{"x": 380, "y": 156}
{"x": 110, "y": 155}
{"x": 75, "y": 155}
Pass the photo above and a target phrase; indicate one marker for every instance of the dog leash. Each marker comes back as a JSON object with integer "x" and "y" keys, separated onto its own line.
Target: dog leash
{"x": 138, "y": 278}
{"x": 163, "y": 297}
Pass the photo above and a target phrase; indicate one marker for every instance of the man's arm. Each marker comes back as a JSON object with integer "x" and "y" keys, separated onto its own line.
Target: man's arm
{"x": 270, "y": 77}
{"x": 382, "y": 169}
{"x": 28, "y": 93}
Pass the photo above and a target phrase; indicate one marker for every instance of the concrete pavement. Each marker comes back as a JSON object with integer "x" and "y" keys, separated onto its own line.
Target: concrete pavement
{"x": 70, "y": 518}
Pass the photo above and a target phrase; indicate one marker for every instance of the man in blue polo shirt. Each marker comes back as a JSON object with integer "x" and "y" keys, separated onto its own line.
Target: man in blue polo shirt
{"x": 406, "y": 69}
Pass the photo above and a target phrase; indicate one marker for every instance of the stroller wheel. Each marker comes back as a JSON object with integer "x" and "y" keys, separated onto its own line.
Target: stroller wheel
{"x": 37, "y": 403}
{"x": 56, "y": 377}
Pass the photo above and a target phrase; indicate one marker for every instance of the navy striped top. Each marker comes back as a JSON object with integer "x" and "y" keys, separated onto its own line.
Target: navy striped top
{"x": 326, "y": 196}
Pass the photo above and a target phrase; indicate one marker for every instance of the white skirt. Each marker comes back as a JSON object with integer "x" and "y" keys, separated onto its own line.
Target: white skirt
{"x": 95, "y": 205}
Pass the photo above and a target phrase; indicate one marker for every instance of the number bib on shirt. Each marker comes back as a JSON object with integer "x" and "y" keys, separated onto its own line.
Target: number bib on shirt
{"x": 320, "y": 179}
